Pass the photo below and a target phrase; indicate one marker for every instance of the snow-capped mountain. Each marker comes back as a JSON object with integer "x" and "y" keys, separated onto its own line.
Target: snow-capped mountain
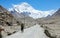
{"x": 57, "y": 13}
{"x": 26, "y": 9}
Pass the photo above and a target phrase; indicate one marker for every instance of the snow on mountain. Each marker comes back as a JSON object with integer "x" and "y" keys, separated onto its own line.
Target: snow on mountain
{"x": 33, "y": 32}
{"x": 25, "y": 7}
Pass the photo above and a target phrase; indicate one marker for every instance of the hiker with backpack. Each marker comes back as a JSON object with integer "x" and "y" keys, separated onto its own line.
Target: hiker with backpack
{"x": 22, "y": 27}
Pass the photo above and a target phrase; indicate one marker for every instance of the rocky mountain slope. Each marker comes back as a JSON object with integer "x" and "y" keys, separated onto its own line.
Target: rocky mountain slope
{"x": 6, "y": 17}
{"x": 57, "y": 13}
{"x": 8, "y": 22}
{"x": 52, "y": 24}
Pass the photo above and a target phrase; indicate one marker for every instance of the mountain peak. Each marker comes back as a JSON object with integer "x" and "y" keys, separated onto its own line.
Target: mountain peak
{"x": 2, "y": 9}
{"x": 59, "y": 9}
{"x": 57, "y": 13}
{"x": 25, "y": 4}
{"x": 0, "y": 6}
{"x": 23, "y": 7}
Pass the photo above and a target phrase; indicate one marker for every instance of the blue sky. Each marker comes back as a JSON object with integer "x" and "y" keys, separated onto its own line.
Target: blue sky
{"x": 37, "y": 4}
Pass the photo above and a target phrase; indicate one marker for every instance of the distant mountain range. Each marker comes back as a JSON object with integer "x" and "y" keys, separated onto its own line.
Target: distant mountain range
{"x": 28, "y": 10}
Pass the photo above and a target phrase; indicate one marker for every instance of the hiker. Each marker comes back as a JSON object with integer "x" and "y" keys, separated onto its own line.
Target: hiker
{"x": 1, "y": 31}
{"x": 22, "y": 27}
